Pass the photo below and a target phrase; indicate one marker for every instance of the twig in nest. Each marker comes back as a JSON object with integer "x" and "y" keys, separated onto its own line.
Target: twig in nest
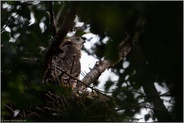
{"x": 14, "y": 111}
{"x": 73, "y": 77}
{"x": 27, "y": 82}
{"x": 93, "y": 89}
{"x": 50, "y": 97}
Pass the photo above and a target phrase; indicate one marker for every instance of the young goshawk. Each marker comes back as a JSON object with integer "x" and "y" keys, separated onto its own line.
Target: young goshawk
{"x": 64, "y": 63}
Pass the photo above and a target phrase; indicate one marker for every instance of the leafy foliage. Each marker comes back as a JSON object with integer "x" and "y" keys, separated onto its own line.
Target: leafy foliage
{"x": 157, "y": 58}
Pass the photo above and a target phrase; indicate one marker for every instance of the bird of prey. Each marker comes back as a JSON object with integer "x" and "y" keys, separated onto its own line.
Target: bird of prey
{"x": 65, "y": 64}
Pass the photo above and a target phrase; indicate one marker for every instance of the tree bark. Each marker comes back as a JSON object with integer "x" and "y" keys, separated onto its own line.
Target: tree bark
{"x": 101, "y": 66}
{"x": 152, "y": 95}
{"x": 160, "y": 110}
{"x": 67, "y": 24}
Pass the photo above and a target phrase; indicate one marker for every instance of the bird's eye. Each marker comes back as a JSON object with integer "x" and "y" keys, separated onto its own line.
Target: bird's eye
{"x": 78, "y": 39}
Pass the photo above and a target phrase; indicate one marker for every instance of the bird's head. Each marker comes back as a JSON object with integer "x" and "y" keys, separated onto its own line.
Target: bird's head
{"x": 77, "y": 41}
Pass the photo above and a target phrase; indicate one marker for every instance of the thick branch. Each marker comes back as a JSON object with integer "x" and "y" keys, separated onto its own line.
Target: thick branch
{"x": 150, "y": 90}
{"x": 149, "y": 87}
{"x": 67, "y": 24}
{"x": 101, "y": 66}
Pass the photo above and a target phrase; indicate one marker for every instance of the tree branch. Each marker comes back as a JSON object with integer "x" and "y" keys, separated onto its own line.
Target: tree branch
{"x": 52, "y": 18}
{"x": 149, "y": 88}
{"x": 162, "y": 114}
{"x": 65, "y": 27}
{"x": 101, "y": 66}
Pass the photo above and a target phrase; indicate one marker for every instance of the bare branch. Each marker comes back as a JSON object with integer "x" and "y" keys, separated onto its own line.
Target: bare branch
{"x": 52, "y": 18}
{"x": 149, "y": 88}
{"x": 101, "y": 66}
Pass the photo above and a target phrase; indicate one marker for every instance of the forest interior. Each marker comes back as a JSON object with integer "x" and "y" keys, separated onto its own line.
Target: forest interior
{"x": 147, "y": 36}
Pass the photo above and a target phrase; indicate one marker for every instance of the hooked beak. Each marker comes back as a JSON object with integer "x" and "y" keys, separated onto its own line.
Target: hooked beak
{"x": 82, "y": 40}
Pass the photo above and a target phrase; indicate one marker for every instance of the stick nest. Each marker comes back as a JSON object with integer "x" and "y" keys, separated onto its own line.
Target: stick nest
{"x": 62, "y": 104}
